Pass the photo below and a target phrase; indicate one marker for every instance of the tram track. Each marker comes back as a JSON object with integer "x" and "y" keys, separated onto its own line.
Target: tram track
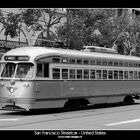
{"x": 38, "y": 118}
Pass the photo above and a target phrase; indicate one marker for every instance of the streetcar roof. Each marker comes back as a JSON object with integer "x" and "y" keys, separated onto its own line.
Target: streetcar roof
{"x": 38, "y": 52}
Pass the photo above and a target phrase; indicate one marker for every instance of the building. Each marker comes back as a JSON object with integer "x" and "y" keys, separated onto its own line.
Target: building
{"x": 27, "y": 36}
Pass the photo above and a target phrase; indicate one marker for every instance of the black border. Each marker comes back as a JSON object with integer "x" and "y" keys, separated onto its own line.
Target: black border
{"x": 58, "y": 134}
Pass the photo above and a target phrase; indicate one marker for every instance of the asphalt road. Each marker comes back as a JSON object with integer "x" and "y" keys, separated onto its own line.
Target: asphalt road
{"x": 103, "y": 117}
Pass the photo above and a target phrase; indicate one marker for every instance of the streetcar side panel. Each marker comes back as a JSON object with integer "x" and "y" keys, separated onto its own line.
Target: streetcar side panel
{"x": 100, "y": 91}
{"x": 47, "y": 94}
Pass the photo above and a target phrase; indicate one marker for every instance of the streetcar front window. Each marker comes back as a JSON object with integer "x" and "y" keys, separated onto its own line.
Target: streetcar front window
{"x": 8, "y": 70}
{"x": 18, "y": 70}
{"x": 24, "y": 70}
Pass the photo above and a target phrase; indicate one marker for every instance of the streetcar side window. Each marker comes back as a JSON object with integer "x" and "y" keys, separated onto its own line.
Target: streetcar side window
{"x": 79, "y": 61}
{"x": 98, "y": 72}
{"x": 115, "y": 74}
{"x": 104, "y": 63}
{"x": 64, "y": 73}
{"x": 125, "y": 74}
{"x": 56, "y": 73}
{"x": 130, "y": 74}
{"x": 39, "y": 70}
{"x": 72, "y": 61}
{"x": 56, "y": 60}
{"x": 139, "y": 74}
{"x": 79, "y": 74}
{"x": 104, "y": 74}
{"x": 135, "y": 75}
{"x": 72, "y": 73}
{"x": 42, "y": 70}
{"x": 110, "y": 74}
{"x": 86, "y": 74}
{"x": 98, "y": 62}
{"x": 110, "y": 63}
{"x": 92, "y": 62}
{"x": 120, "y": 74}
{"x": 92, "y": 74}
{"x": 46, "y": 70}
{"x": 86, "y": 62}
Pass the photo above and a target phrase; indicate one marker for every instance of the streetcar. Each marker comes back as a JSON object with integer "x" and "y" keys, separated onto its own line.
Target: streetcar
{"x": 39, "y": 77}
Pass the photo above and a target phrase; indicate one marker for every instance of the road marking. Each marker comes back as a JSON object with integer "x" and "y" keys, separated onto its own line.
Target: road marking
{"x": 9, "y": 119}
{"x": 123, "y": 122}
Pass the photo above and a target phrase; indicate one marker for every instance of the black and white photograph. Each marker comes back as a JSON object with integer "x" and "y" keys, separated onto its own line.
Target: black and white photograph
{"x": 70, "y": 72}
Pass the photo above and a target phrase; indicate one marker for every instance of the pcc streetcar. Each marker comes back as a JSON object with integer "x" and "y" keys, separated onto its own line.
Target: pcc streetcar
{"x": 39, "y": 77}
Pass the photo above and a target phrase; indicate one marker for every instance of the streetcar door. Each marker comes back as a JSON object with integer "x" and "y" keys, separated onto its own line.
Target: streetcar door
{"x": 42, "y": 70}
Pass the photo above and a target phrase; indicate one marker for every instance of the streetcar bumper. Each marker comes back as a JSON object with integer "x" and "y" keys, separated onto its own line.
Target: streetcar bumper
{"x": 13, "y": 108}
{"x": 16, "y": 104}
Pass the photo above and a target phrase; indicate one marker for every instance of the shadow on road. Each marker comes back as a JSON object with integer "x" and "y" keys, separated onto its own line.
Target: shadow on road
{"x": 61, "y": 110}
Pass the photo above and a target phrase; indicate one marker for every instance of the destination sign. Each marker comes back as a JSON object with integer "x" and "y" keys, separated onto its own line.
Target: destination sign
{"x": 16, "y": 58}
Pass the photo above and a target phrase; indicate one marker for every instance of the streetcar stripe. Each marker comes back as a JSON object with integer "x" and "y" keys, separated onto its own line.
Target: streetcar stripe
{"x": 9, "y": 119}
{"x": 123, "y": 122}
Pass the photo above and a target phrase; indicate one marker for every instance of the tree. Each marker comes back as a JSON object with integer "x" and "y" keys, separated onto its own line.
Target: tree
{"x": 32, "y": 20}
{"x": 41, "y": 19}
{"x": 100, "y": 27}
{"x": 10, "y": 24}
{"x": 82, "y": 25}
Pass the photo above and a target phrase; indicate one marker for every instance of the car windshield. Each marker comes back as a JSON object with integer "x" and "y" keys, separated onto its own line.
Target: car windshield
{"x": 18, "y": 70}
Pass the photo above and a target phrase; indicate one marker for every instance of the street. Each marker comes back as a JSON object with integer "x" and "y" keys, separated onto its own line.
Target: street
{"x": 123, "y": 117}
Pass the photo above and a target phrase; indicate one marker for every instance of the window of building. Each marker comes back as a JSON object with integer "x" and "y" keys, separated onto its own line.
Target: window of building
{"x": 92, "y": 74}
{"x": 86, "y": 74}
{"x": 115, "y": 74}
{"x": 56, "y": 73}
{"x": 110, "y": 74}
{"x": 98, "y": 74}
{"x": 64, "y": 73}
{"x": 104, "y": 74}
{"x": 79, "y": 74}
{"x": 72, "y": 73}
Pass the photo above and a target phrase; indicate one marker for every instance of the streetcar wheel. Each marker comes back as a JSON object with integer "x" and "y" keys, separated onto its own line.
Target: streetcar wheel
{"x": 74, "y": 104}
{"x": 128, "y": 99}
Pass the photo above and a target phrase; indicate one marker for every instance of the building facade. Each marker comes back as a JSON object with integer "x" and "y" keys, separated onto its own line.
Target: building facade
{"x": 26, "y": 36}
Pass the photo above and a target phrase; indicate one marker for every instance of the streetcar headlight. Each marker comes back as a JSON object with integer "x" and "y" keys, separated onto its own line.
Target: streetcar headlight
{"x": 11, "y": 90}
